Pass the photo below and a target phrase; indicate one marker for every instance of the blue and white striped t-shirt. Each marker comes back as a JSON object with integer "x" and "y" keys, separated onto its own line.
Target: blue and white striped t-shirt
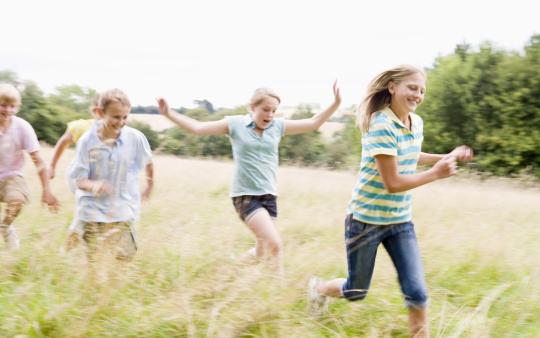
{"x": 371, "y": 202}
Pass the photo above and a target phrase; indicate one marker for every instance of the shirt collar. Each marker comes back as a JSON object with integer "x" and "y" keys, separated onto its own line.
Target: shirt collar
{"x": 249, "y": 123}
{"x": 393, "y": 117}
{"x": 121, "y": 139}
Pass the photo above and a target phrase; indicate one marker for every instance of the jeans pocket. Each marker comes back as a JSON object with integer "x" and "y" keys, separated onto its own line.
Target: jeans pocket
{"x": 354, "y": 228}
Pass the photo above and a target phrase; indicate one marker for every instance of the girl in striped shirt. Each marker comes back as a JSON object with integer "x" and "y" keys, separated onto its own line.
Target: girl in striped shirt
{"x": 380, "y": 209}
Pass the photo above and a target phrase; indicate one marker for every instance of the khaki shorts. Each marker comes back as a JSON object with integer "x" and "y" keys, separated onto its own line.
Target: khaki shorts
{"x": 116, "y": 238}
{"x": 13, "y": 189}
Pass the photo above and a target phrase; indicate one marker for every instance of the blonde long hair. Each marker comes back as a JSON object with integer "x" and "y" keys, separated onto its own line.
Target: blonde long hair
{"x": 378, "y": 96}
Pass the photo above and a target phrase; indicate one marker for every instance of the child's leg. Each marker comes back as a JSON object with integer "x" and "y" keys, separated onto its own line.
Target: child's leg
{"x": 91, "y": 237}
{"x": 14, "y": 193}
{"x": 94, "y": 254}
{"x": 331, "y": 288}
{"x": 418, "y": 322}
{"x": 13, "y": 209}
{"x": 361, "y": 241}
{"x": 258, "y": 213}
{"x": 268, "y": 240}
{"x": 120, "y": 241}
{"x": 75, "y": 233}
{"x": 402, "y": 247}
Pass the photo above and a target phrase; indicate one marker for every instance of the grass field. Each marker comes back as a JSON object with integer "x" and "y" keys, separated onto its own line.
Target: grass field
{"x": 478, "y": 238}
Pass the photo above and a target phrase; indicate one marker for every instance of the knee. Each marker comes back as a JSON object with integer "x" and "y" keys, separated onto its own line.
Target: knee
{"x": 275, "y": 245}
{"x": 271, "y": 246}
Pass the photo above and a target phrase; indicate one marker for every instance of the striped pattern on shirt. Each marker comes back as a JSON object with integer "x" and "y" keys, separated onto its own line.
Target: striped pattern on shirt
{"x": 371, "y": 202}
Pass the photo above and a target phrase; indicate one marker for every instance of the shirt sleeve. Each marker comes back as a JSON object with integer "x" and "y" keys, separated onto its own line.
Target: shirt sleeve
{"x": 144, "y": 153}
{"x": 231, "y": 122}
{"x": 381, "y": 139}
{"x": 280, "y": 124}
{"x": 77, "y": 128}
{"x": 80, "y": 168}
{"x": 30, "y": 140}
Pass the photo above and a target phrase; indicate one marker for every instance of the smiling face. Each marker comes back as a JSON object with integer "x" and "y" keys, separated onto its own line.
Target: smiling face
{"x": 407, "y": 94}
{"x": 264, "y": 111}
{"x": 114, "y": 117}
{"x": 8, "y": 108}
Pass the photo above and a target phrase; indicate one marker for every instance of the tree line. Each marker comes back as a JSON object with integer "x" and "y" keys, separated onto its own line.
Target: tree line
{"x": 486, "y": 97}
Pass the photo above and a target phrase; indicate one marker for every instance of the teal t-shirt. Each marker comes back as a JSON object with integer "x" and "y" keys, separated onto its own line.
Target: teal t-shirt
{"x": 256, "y": 157}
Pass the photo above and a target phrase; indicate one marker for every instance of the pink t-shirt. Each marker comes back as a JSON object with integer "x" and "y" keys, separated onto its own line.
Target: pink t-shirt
{"x": 19, "y": 136}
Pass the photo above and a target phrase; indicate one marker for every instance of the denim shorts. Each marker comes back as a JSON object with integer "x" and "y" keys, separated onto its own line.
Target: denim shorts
{"x": 399, "y": 240}
{"x": 246, "y": 205}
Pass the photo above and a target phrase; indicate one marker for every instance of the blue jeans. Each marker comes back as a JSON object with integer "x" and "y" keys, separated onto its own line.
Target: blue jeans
{"x": 399, "y": 240}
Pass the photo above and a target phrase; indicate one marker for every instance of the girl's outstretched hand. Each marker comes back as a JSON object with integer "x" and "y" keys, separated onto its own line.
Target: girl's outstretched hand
{"x": 463, "y": 153}
{"x": 337, "y": 95}
{"x": 163, "y": 107}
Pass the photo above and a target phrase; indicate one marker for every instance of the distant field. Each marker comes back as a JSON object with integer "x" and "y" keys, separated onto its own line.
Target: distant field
{"x": 156, "y": 122}
{"x": 479, "y": 242}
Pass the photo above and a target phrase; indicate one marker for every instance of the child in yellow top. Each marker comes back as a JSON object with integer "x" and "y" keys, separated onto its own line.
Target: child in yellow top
{"x": 75, "y": 129}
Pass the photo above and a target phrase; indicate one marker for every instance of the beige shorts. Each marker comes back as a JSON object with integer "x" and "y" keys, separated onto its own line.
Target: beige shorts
{"x": 13, "y": 189}
{"x": 117, "y": 238}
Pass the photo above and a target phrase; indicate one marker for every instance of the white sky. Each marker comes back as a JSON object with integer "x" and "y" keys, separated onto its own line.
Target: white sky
{"x": 222, "y": 50}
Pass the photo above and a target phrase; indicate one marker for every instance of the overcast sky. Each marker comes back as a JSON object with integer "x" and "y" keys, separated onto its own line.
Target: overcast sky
{"x": 222, "y": 50}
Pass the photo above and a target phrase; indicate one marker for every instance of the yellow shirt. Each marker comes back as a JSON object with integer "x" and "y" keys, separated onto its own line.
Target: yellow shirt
{"x": 78, "y": 127}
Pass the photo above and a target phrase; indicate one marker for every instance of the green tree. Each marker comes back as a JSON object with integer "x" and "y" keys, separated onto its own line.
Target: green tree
{"x": 488, "y": 99}
{"x": 36, "y": 110}
{"x": 73, "y": 98}
{"x": 151, "y": 135}
{"x": 305, "y": 148}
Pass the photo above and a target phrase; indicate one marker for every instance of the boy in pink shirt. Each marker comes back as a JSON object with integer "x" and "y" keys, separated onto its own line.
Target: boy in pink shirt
{"x": 16, "y": 137}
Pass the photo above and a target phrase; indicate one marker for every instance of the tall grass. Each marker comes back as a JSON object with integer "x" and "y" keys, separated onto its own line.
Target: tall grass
{"x": 479, "y": 241}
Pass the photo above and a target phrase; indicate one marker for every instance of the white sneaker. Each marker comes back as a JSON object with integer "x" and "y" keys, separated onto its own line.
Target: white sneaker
{"x": 11, "y": 238}
{"x": 317, "y": 303}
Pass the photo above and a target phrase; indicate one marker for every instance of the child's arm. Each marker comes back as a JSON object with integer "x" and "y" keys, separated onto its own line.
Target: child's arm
{"x": 97, "y": 188}
{"x": 313, "y": 123}
{"x": 149, "y": 169}
{"x": 65, "y": 141}
{"x": 395, "y": 182}
{"x": 461, "y": 153}
{"x": 193, "y": 126}
{"x": 47, "y": 196}
{"x": 78, "y": 174}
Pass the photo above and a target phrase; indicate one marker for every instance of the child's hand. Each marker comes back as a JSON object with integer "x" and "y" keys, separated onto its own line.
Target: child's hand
{"x": 445, "y": 167}
{"x": 462, "y": 153}
{"x": 145, "y": 196}
{"x": 100, "y": 188}
{"x": 50, "y": 200}
{"x": 163, "y": 107}
{"x": 337, "y": 95}
{"x": 51, "y": 172}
